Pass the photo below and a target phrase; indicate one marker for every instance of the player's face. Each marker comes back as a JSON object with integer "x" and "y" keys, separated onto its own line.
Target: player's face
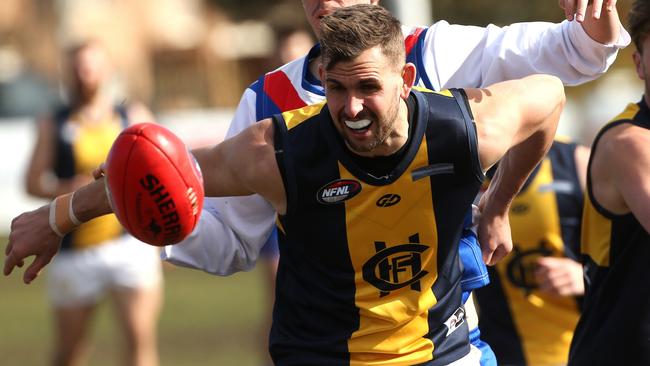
{"x": 364, "y": 97}
{"x": 90, "y": 68}
{"x": 317, "y": 9}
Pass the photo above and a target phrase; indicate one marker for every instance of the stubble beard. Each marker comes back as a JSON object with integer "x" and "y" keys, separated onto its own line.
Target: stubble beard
{"x": 386, "y": 127}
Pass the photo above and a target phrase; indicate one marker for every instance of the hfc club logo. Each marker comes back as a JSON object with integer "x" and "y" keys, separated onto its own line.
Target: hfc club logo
{"x": 396, "y": 267}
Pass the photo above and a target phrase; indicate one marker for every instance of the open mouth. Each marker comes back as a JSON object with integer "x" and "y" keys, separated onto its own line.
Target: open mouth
{"x": 358, "y": 126}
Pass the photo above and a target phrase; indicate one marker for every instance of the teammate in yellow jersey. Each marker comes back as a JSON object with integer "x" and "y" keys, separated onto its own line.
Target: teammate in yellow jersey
{"x": 615, "y": 325}
{"x": 98, "y": 259}
{"x": 532, "y": 305}
{"x": 389, "y": 295}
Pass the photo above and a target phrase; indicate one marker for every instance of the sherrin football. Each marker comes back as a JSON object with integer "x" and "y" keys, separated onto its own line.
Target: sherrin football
{"x": 154, "y": 184}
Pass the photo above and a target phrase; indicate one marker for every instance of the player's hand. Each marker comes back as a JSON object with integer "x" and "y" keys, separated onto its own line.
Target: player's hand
{"x": 560, "y": 276}
{"x": 493, "y": 233}
{"x": 582, "y": 9}
{"x": 100, "y": 171}
{"x": 31, "y": 235}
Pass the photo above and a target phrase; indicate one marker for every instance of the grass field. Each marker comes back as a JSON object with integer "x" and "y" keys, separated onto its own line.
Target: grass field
{"x": 206, "y": 320}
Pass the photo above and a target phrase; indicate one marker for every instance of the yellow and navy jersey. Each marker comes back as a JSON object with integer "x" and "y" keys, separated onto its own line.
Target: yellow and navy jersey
{"x": 369, "y": 272}
{"x": 522, "y": 325}
{"x": 80, "y": 148}
{"x": 615, "y": 325}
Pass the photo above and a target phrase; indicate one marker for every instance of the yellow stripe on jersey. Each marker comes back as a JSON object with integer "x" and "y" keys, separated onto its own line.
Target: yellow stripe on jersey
{"x": 388, "y": 325}
{"x": 278, "y": 223}
{"x": 91, "y": 145}
{"x": 595, "y": 240}
{"x": 630, "y": 111}
{"x": 297, "y": 116}
{"x": 536, "y": 229}
{"x": 445, "y": 92}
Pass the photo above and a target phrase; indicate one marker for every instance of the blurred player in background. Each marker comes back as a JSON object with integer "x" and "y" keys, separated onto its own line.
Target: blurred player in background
{"x": 532, "y": 304}
{"x": 615, "y": 325}
{"x": 98, "y": 259}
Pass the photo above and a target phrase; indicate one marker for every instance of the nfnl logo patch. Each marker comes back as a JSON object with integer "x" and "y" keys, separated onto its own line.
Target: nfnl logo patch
{"x": 338, "y": 191}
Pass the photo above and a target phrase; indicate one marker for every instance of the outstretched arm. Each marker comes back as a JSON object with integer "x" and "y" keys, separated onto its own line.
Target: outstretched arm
{"x": 32, "y": 235}
{"x": 239, "y": 166}
{"x": 516, "y": 122}
{"x": 466, "y": 56}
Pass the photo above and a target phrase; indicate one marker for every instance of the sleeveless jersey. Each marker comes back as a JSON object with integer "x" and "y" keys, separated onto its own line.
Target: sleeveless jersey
{"x": 615, "y": 325}
{"x": 292, "y": 86}
{"x": 369, "y": 272}
{"x": 522, "y": 325}
{"x": 79, "y": 150}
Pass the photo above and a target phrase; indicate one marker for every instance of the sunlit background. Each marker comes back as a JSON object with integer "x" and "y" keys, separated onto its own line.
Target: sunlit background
{"x": 190, "y": 61}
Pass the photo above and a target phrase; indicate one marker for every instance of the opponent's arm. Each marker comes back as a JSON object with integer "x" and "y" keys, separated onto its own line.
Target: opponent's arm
{"x": 243, "y": 165}
{"x": 516, "y": 122}
{"x": 232, "y": 230}
{"x": 462, "y": 56}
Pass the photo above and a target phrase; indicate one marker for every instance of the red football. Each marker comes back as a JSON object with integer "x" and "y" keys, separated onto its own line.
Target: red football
{"x": 154, "y": 184}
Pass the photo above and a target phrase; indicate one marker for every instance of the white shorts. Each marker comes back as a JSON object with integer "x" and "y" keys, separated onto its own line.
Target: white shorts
{"x": 82, "y": 277}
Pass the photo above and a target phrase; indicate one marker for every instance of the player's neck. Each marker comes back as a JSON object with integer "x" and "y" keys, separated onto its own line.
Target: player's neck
{"x": 93, "y": 109}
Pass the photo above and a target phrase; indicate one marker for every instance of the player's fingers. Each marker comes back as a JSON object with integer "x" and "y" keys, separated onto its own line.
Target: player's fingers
{"x": 580, "y": 10}
{"x": 610, "y": 5}
{"x": 569, "y": 8}
{"x": 35, "y": 268}
{"x": 596, "y": 8}
{"x": 10, "y": 262}
{"x": 100, "y": 171}
{"x": 487, "y": 255}
{"x": 499, "y": 253}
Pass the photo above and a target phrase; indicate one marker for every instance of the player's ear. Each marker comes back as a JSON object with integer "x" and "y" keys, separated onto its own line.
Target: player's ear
{"x": 637, "y": 57}
{"x": 321, "y": 73}
{"x": 408, "y": 78}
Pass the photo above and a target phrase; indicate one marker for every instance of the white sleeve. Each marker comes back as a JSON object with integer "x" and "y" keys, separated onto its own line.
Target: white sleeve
{"x": 231, "y": 230}
{"x": 228, "y": 238}
{"x": 245, "y": 115}
{"x": 468, "y": 56}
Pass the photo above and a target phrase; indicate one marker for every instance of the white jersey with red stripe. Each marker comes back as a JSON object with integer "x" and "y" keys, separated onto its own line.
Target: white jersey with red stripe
{"x": 232, "y": 230}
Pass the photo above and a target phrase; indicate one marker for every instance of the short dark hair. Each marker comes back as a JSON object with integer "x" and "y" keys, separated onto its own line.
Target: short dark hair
{"x": 351, "y": 30}
{"x": 639, "y": 22}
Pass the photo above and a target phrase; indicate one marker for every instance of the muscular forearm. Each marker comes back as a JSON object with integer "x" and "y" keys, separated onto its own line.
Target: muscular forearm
{"x": 91, "y": 201}
{"x": 514, "y": 168}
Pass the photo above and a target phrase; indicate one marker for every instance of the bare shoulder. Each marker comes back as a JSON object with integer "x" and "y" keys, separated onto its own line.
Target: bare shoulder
{"x": 621, "y": 167}
{"x": 624, "y": 146}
